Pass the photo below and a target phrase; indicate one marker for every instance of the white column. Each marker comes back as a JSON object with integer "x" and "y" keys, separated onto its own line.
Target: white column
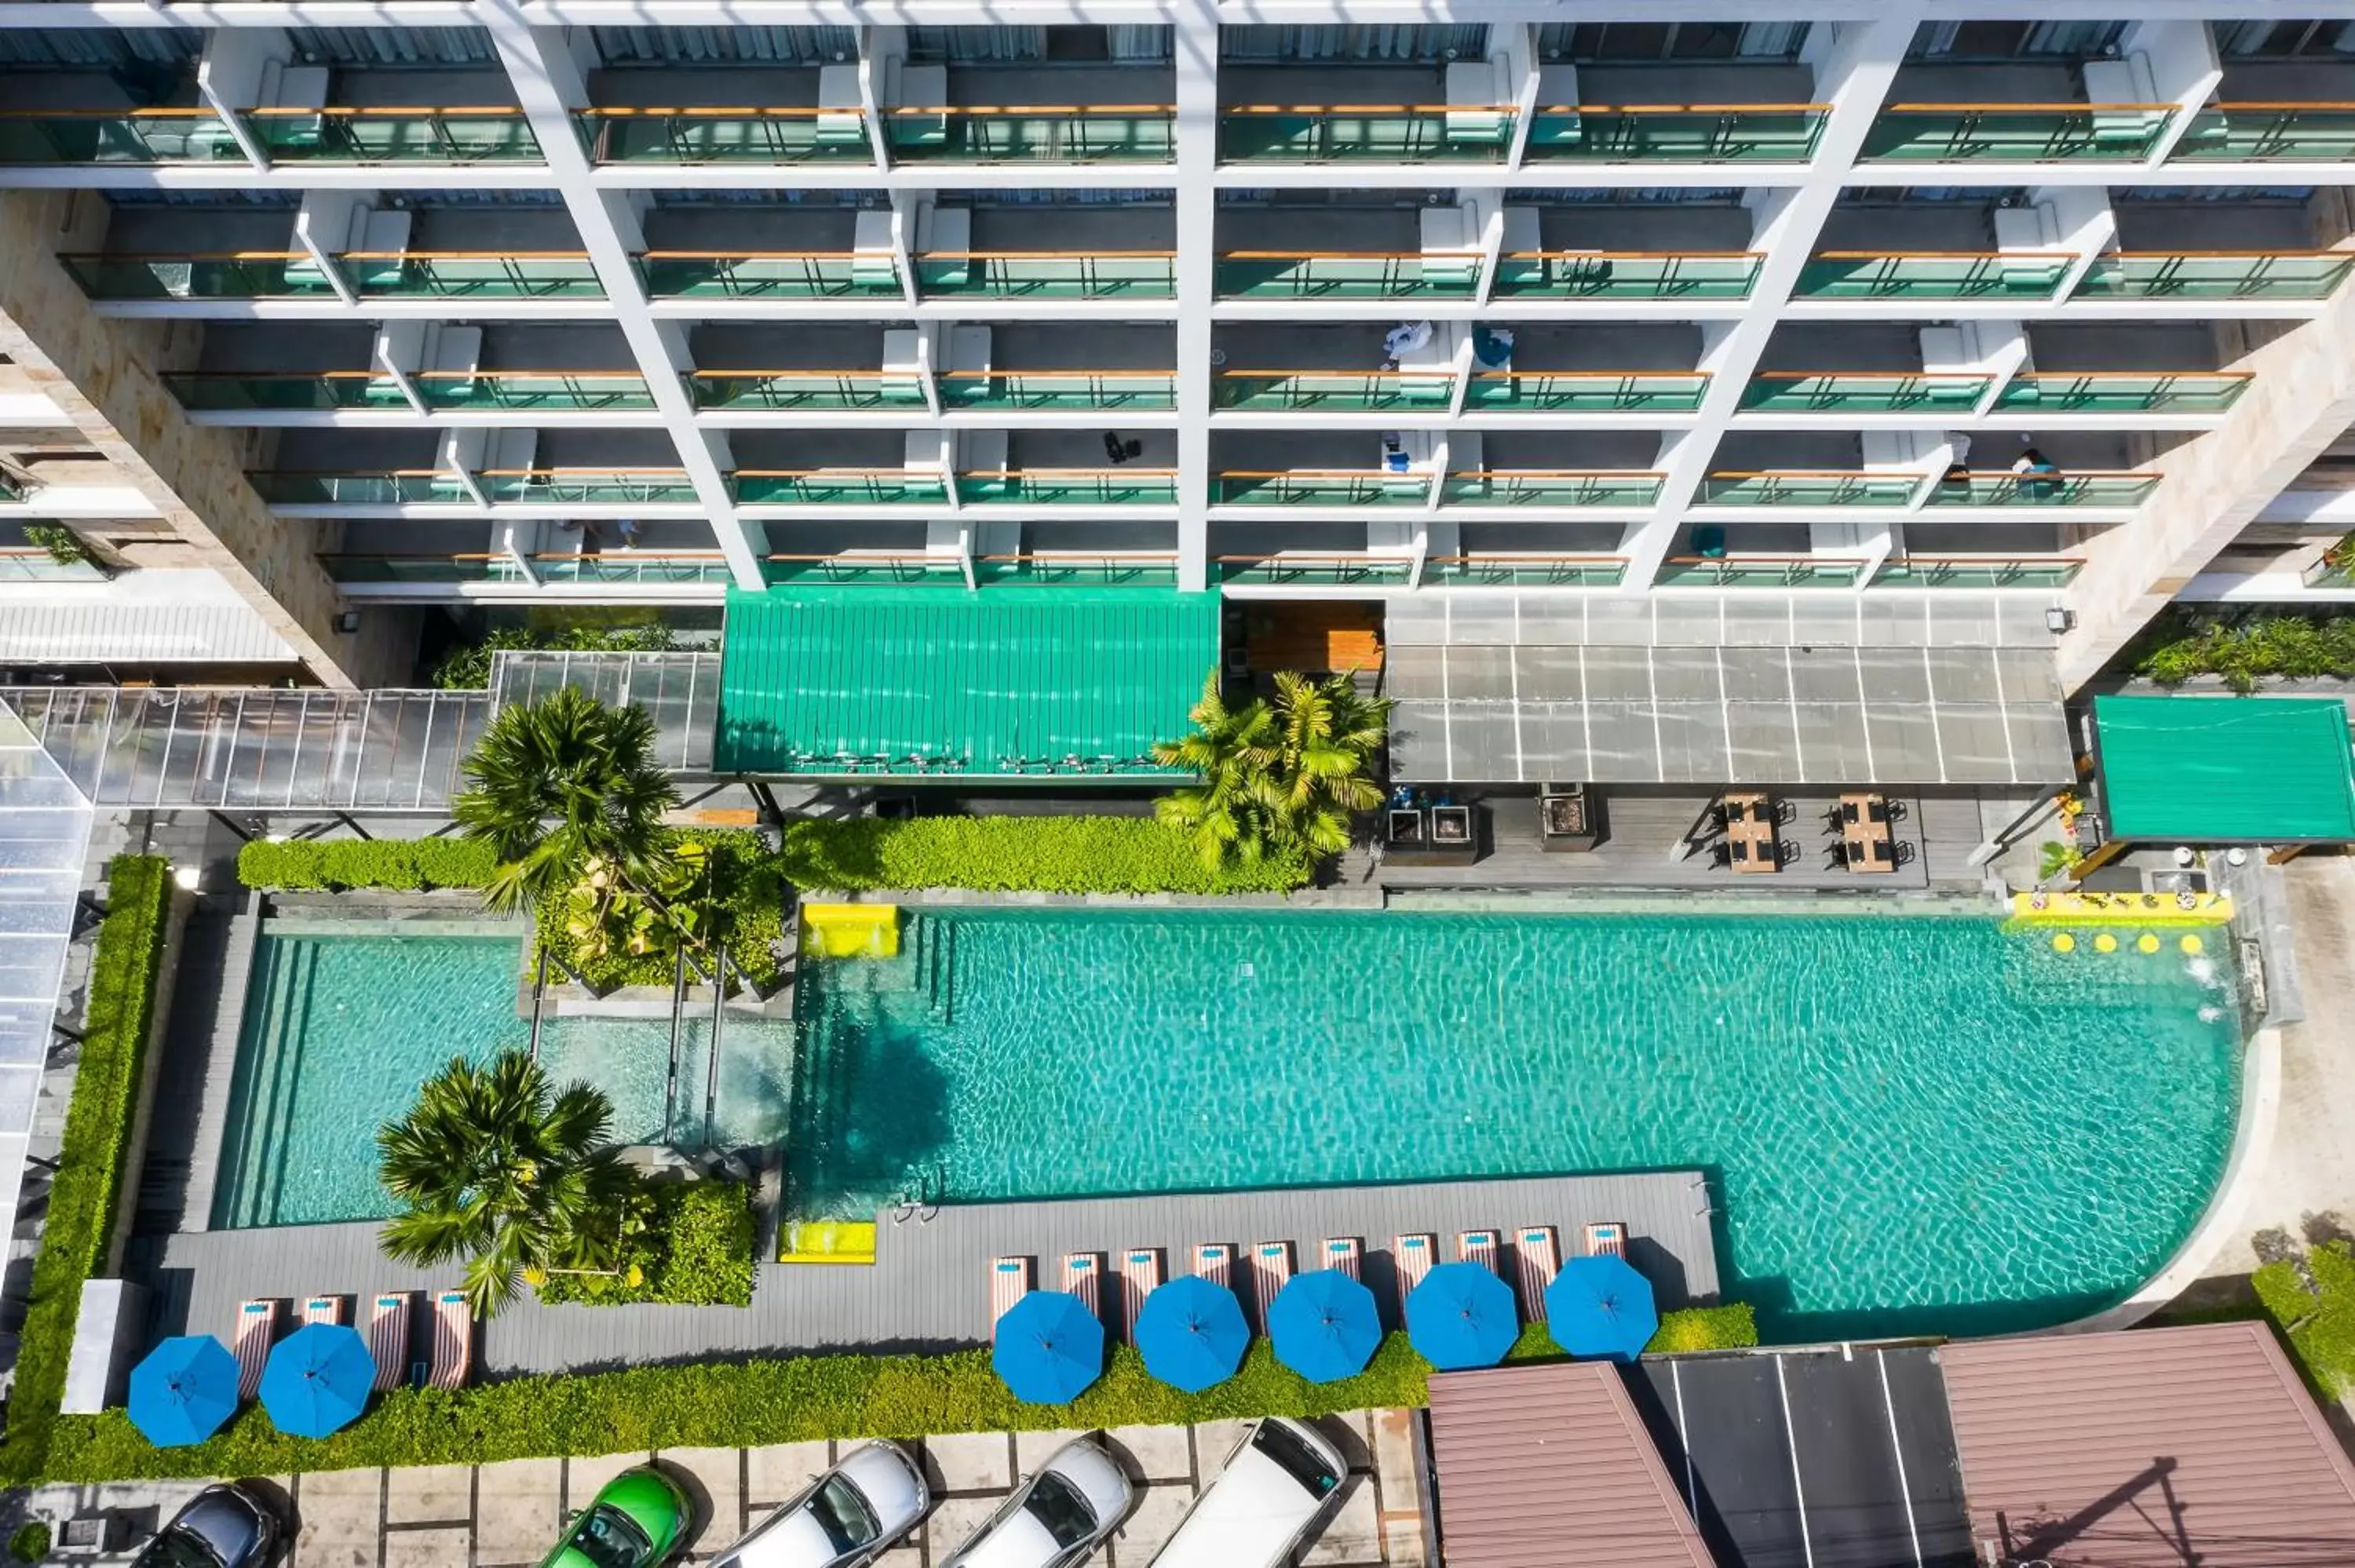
{"x": 1195, "y": 35}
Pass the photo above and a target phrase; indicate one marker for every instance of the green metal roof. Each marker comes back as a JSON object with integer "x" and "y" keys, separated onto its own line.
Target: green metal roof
{"x": 1011, "y": 680}
{"x": 2213, "y": 769}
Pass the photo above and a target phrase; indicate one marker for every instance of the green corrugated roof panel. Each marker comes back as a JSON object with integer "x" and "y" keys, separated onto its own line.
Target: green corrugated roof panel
{"x": 2210, "y": 769}
{"x": 988, "y": 681}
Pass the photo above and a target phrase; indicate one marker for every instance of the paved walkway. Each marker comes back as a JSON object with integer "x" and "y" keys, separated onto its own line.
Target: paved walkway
{"x": 494, "y": 1516}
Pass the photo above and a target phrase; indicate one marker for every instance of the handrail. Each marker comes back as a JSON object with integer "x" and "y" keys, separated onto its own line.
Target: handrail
{"x": 1064, "y": 555}
{"x": 633, "y": 373}
{"x": 1287, "y": 557}
{"x": 1036, "y": 255}
{"x": 1813, "y": 473}
{"x": 1515, "y": 559}
{"x": 2024, "y": 108}
{"x": 2130, "y": 375}
{"x": 1748, "y": 558}
{"x": 955, "y": 374}
{"x": 366, "y": 472}
{"x": 1948, "y": 255}
{"x": 1558, "y": 472}
{"x": 459, "y": 255}
{"x": 621, "y": 552}
{"x": 2225, "y": 255}
{"x": 729, "y": 112}
{"x": 1633, "y": 255}
{"x": 185, "y": 254}
{"x": 1909, "y": 375}
{"x": 2054, "y": 474}
{"x": 1059, "y": 472}
{"x": 527, "y": 472}
{"x": 1322, "y": 473}
{"x": 1909, "y": 558}
{"x": 149, "y": 113}
{"x": 754, "y": 255}
{"x": 2259, "y": 103}
{"x": 1345, "y": 255}
{"x": 1368, "y": 108}
{"x": 352, "y": 111}
{"x": 1690, "y": 375}
{"x": 804, "y": 370}
{"x": 1682, "y": 107}
{"x": 1344, "y": 370}
{"x": 839, "y": 472}
{"x": 1030, "y": 109}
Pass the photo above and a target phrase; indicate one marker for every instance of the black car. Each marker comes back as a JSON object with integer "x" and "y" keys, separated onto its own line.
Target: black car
{"x": 222, "y": 1527}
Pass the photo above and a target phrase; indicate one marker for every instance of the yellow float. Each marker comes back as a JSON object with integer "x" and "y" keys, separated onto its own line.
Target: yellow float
{"x": 851, "y": 930}
{"x": 2105, "y": 943}
{"x": 2189, "y": 944}
{"x": 2064, "y": 943}
{"x": 2148, "y": 943}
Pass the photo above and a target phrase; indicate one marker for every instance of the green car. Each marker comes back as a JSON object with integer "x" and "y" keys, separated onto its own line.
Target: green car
{"x": 637, "y": 1520}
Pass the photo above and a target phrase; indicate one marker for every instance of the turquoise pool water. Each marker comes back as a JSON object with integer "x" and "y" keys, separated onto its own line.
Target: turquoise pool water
{"x": 1916, "y": 1110}
{"x": 340, "y": 1030}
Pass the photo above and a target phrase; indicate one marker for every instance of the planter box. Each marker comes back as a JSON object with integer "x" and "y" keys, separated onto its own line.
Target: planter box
{"x": 1436, "y": 835}
{"x": 1569, "y": 818}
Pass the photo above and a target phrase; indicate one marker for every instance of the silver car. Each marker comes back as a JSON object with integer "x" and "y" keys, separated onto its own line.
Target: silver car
{"x": 846, "y": 1517}
{"x": 1280, "y": 1485}
{"x": 1057, "y": 1517}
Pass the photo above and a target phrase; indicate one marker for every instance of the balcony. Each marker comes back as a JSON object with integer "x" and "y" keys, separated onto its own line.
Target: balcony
{"x": 868, "y": 569}
{"x": 2269, "y": 134}
{"x": 1585, "y": 391}
{"x": 2331, "y": 570}
{"x": 472, "y": 275}
{"x": 527, "y": 391}
{"x": 987, "y": 390}
{"x": 1863, "y": 392}
{"x": 1383, "y": 133}
{"x": 1124, "y": 568}
{"x": 1676, "y": 132}
{"x": 36, "y": 566}
{"x": 1802, "y": 487}
{"x": 788, "y": 390}
{"x": 2066, "y": 488}
{"x": 2123, "y": 391}
{"x": 1369, "y": 390}
{"x": 1058, "y": 134}
{"x": 839, "y": 487}
{"x": 392, "y": 487}
{"x": 1311, "y": 275}
{"x": 229, "y": 275}
{"x": 637, "y": 569}
{"x": 215, "y": 391}
{"x": 1318, "y": 487}
{"x": 1524, "y": 571}
{"x": 1548, "y": 487}
{"x": 774, "y": 135}
{"x": 1933, "y": 275}
{"x": 1759, "y": 571}
{"x": 1288, "y": 570}
{"x": 1626, "y": 274}
{"x": 1977, "y": 571}
{"x": 2215, "y": 275}
{"x": 2015, "y": 132}
{"x": 768, "y": 275}
{"x": 586, "y": 486}
{"x": 1048, "y": 274}
{"x": 1070, "y": 487}
{"x": 38, "y": 136}
{"x": 472, "y": 134}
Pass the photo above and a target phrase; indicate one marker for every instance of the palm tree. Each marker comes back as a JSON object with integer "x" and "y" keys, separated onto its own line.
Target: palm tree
{"x": 559, "y": 784}
{"x": 1281, "y": 778}
{"x": 496, "y": 1165}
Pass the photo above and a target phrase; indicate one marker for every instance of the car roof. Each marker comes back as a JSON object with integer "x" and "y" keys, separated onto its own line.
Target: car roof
{"x": 794, "y": 1540}
{"x": 1249, "y": 1514}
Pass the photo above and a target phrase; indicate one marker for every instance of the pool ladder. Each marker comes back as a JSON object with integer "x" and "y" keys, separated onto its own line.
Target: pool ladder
{"x": 924, "y": 1202}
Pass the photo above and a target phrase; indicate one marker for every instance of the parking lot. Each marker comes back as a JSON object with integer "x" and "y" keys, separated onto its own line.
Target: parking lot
{"x": 508, "y": 1514}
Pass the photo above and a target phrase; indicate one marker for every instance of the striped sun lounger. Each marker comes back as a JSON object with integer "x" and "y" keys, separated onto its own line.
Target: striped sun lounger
{"x": 1479, "y": 1247}
{"x": 323, "y": 1310}
{"x": 1215, "y": 1261}
{"x": 257, "y": 1327}
{"x": 1341, "y": 1255}
{"x": 1537, "y": 1258}
{"x": 454, "y": 1341}
{"x": 1271, "y": 1272}
{"x": 1009, "y": 1281}
{"x": 388, "y": 1336}
{"x": 1140, "y": 1277}
{"x": 1083, "y": 1278}
{"x": 1412, "y": 1258}
{"x": 1606, "y": 1238}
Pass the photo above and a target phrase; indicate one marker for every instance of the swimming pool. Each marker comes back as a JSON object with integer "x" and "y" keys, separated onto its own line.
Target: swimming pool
{"x": 1917, "y": 1111}
{"x": 341, "y": 1028}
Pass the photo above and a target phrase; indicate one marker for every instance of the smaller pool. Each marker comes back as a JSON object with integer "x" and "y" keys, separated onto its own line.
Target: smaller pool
{"x": 340, "y": 1030}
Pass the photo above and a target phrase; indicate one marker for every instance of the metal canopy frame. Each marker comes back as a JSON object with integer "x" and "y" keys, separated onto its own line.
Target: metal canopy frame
{"x": 45, "y": 827}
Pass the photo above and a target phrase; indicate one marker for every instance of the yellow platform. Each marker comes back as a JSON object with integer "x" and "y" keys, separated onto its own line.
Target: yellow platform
{"x": 828, "y": 1240}
{"x": 2123, "y": 910}
{"x": 851, "y": 930}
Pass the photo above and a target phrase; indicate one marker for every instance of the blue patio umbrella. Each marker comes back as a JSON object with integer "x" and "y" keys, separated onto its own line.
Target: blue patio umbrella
{"x": 1600, "y": 1306}
{"x": 1323, "y": 1325}
{"x": 1050, "y": 1348}
{"x": 317, "y": 1378}
{"x": 1191, "y": 1333}
{"x": 184, "y": 1390}
{"x": 1462, "y": 1316}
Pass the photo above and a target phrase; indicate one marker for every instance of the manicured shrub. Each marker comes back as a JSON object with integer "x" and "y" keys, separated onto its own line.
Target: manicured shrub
{"x": 2245, "y": 646}
{"x": 1043, "y": 854}
{"x": 697, "y": 1250}
{"x": 402, "y": 864}
{"x": 87, "y": 1185}
{"x": 1733, "y": 1327}
{"x": 30, "y": 1543}
{"x": 2319, "y": 1320}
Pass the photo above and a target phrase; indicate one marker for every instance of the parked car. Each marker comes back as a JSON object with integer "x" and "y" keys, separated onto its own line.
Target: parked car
{"x": 220, "y": 1527}
{"x": 1057, "y": 1517}
{"x": 635, "y": 1520}
{"x": 846, "y": 1516}
{"x": 1279, "y": 1485}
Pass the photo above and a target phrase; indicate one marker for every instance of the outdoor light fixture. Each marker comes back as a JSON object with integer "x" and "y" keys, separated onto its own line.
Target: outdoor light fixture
{"x": 2059, "y": 618}
{"x": 349, "y": 622}
{"x": 188, "y": 876}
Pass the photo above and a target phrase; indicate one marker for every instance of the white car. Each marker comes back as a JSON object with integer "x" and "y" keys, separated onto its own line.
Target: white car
{"x": 844, "y": 1518}
{"x": 1057, "y": 1517}
{"x": 1281, "y": 1482}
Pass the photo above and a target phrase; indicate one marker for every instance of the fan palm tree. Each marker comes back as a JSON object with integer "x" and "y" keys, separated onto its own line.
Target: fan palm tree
{"x": 558, "y": 784}
{"x": 1281, "y": 778}
{"x": 496, "y": 1165}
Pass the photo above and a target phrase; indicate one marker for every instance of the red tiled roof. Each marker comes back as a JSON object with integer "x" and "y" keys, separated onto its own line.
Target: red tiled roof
{"x": 2153, "y": 1448}
{"x": 1544, "y": 1465}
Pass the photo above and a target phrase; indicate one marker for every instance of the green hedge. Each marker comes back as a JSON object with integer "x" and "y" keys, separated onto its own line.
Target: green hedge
{"x": 2245, "y": 646}
{"x": 697, "y": 1250}
{"x": 724, "y": 1404}
{"x": 1008, "y": 854}
{"x": 408, "y": 865}
{"x": 2318, "y": 1322}
{"x": 124, "y": 971}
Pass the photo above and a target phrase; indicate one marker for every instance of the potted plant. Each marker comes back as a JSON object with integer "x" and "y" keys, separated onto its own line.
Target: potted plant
{"x": 1568, "y": 818}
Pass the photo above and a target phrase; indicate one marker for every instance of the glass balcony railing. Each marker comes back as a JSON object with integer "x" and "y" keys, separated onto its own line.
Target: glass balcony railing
{"x": 2015, "y": 132}
{"x": 1319, "y": 487}
{"x": 1070, "y": 487}
{"x": 226, "y": 275}
{"x": 777, "y": 135}
{"x": 840, "y": 486}
{"x": 216, "y": 391}
{"x": 1977, "y": 571}
{"x": 2328, "y": 573}
{"x": 2269, "y": 134}
{"x": 1864, "y": 391}
{"x": 768, "y": 274}
{"x": 1369, "y": 133}
{"x": 649, "y": 569}
{"x": 1585, "y": 391}
{"x": 1549, "y": 487}
{"x": 116, "y": 136}
{"x": 1759, "y": 571}
{"x": 472, "y": 134}
{"x": 1333, "y": 388}
{"x": 1059, "y": 388}
{"x": 1139, "y": 568}
{"x": 2123, "y": 391}
{"x": 554, "y": 390}
{"x": 378, "y": 569}
{"x": 1057, "y": 133}
{"x": 1049, "y": 274}
{"x": 1677, "y": 133}
{"x": 806, "y": 389}
{"x": 1288, "y": 570}
{"x": 1361, "y": 275}
{"x": 1626, "y": 274}
{"x": 472, "y": 274}
{"x": 1933, "y": 274}
{"x": 37, "y": 565}
{"x": 10, "y": 490}
{"x": 2215, "y": 275}
{"x": 1801, "y": 487}
{"x": 392, "y": 487}
{"x": 868, "y": 569}
{"x": 586, "y": 486}
{"x": 2060, "y": 488}
{"x": 1524, "y": 571}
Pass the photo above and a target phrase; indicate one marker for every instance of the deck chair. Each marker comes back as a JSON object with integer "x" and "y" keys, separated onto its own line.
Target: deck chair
{"x": 1606, "y": 1238}
{"x": 1010, "y": 1279}
{"x": 1342, "y": 1255}
{"x": 454, "y": 1341}
{"x": 326, "y": 1309}
{"x": 1271, "y": 1272}
{"x": 257, "y": 1327}
{"x": 1480, "y": 1247}
{"x": 388, "y": 1336}
{"x": 1083, "y": 1278}
{"x": 1140, "y": 1277}
{"x": 1412, "y": 1258}
{"x": 1537, "y": 1256}
{"x": 1215, "y": 1262}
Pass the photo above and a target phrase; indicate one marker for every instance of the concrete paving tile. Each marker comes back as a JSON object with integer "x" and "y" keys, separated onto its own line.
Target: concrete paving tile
{"x": 971, "y": 1461}
{"x": 1158, "y": 1453}
{"x": 519, "y": 1510}
{"x": 1356, "y": 1425}
{"x": 1395, "y": 1456}
{"x": 429, "y": 1494}
{"x": 1214, "y": 1441}
{"x": 1031, "y": 1448}
{"x": 1149, "y": 1525}
{"x": 952, "y": 1519}
{"x": 1352, "y": 1534}
{"x": 907, "y": 1556}
{"x": 339, "y": 1512}
{"x": 780, "y": 1470}
{"x": 1404, "y": 1545}
{"x": 583, "y": 1477}
{"x": 718, "y": 1473}
{"x": 443, "y": 1548}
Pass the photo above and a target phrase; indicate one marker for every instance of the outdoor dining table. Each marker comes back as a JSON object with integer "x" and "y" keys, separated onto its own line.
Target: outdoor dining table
{"x": 1750, "y": 838}
{"x": 1864, "y": 833}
